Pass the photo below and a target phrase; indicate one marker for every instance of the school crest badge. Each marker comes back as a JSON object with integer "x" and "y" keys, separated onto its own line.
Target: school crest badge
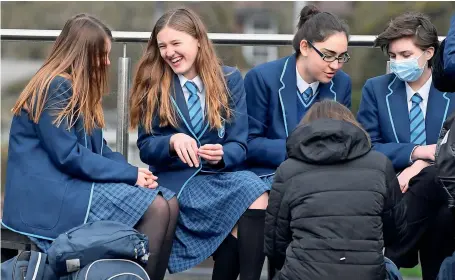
{"x": 221, "y": 130}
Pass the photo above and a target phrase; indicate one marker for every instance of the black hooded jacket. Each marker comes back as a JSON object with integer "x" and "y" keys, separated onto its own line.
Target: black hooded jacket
{"x": 333, "y": 205}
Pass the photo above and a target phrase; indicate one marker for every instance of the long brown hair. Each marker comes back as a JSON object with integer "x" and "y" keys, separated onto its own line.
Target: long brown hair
{"x": 330, "y": 109}
{"x": 78, "y": 54}
{"x": 153, "y": 79}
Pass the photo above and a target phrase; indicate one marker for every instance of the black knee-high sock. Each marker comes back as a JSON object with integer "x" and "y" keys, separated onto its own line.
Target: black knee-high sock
{"x": 251, "y": 244}
{"x": 226, "y": 260}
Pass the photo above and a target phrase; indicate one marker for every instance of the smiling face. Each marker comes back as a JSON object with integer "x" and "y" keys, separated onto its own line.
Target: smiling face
{"x": 179, "y": 50}
{"x": 313, "y": 66}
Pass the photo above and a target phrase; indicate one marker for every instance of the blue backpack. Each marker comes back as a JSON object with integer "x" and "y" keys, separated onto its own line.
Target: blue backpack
{"x": 90, "y": 242}
{"x": 109, "y": 269}
{"x": 28, "y": 265}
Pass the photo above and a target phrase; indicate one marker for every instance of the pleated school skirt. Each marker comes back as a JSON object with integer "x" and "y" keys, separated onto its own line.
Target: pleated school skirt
{"x": 210, "y": 207}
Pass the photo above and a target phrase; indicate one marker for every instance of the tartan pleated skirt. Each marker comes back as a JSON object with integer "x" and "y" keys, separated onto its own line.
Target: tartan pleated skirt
{"x": 210, "y": 207}
{"x": 117, "y": 202}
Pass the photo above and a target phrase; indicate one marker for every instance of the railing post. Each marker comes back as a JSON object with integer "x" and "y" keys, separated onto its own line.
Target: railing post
{"x": 387, "y": 69}
{"x": 124, "y": 66}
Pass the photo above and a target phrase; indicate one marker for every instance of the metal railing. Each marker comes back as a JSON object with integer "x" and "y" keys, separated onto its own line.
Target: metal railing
{"x": 124, "y": 69}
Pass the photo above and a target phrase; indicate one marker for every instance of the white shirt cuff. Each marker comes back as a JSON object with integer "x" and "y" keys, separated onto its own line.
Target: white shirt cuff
{"x": 410, "y": 156}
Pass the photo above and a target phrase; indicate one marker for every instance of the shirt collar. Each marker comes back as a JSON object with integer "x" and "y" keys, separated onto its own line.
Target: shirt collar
{"x": 302, "y": 85}
{"x": 197, "y": 81}
{"x": 424, "y": 91}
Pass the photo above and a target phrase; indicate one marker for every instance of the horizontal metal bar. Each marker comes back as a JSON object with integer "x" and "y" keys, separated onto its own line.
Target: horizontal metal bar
{"x": 217, "y": 38}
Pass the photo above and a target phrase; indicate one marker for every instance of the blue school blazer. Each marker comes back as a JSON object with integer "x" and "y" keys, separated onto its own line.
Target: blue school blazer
{"x": 171, "y": 171}
{"x": 273, "y": 113}
{"x": 449, "y": 50}
{"x": 52, "y": 170}
{"x": 384, "y": 114}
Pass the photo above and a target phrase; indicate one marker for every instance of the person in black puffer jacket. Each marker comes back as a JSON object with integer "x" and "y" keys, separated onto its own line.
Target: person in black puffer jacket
{"x": 334, "y": 202}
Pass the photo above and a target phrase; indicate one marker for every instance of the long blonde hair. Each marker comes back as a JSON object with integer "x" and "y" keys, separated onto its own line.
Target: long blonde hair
{"x": 153, "y": 79}
{"x": 77, "y": 54}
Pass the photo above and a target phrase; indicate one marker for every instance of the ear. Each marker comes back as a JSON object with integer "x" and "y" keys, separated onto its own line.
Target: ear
{"x": 429, "y": 53}
{"x": 198, "y": 44}
{"x": 304, "y": 48}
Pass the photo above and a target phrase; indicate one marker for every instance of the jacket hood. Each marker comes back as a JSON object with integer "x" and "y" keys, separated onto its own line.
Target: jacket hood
{"x": 327, "y": 141}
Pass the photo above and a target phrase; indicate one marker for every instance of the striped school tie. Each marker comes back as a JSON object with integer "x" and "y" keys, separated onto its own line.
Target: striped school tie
{"x": 305, "y": 96}
{"x": 194, "y": 107}
{"x": 418, "y": 135}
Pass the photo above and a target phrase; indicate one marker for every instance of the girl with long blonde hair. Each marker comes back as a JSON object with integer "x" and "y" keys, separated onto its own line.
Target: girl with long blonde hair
{"x": 193, "y": 129}
{"x": 61, "y": 173}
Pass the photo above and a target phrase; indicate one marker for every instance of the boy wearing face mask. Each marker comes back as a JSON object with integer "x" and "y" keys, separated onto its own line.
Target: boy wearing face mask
{"x": 403, "y": 113}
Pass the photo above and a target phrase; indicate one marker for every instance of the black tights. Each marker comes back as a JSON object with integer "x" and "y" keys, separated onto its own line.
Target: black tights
{"x": 158, "y": 223}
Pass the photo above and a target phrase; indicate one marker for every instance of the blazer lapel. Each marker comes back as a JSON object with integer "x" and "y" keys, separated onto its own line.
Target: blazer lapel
{"x": 288, "y": 93}
{"x": 437, "y": 107}
{"x": 180, "y": 104}
{"x": 397, "y": 104}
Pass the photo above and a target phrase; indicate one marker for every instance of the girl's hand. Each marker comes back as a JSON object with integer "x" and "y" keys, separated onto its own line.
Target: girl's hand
{"x": 212, "y": 153}
{"x": 186, "y": 148}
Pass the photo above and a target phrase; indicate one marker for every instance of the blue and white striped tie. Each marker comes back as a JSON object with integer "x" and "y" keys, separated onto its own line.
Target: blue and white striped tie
{"x": 305, "y": 96}
{"x": 418, "y": 135}
{"x": 194, "y": 108}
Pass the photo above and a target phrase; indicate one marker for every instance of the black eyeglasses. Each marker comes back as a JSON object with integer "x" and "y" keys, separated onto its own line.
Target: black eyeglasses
{"x": 331, "y": 58}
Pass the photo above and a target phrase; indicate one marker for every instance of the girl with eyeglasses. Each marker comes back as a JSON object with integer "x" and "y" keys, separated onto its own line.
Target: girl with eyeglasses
{"x": 280, "y": 92}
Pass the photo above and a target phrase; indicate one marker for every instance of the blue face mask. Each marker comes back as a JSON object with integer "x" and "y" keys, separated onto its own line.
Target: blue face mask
{"x": 407, "y": 70}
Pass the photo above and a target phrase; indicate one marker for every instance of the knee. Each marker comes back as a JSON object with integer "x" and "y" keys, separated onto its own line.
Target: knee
{"x": 261, "y": 202}
{"x": 173, "y": 205}
{"x": 159, "y": 207}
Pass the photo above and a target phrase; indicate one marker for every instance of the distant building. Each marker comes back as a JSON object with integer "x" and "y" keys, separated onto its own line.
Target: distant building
{"x": 275, "y": 17}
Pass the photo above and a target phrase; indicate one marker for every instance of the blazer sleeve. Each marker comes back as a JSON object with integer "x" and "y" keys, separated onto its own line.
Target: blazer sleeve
{"x": 449, "y": 50}
{"x": 368, "y": 117}
{"x": 236, "y": 129}
{"x": 154, "y": 147}
{"x": 261, "y": 150}
{"x": 67, "y": 153}
{"x": 108, "y": 153}
{"x": 277, "y": 223}
{"x": 348, "y": 94}
{"x": 394, "y": 215}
